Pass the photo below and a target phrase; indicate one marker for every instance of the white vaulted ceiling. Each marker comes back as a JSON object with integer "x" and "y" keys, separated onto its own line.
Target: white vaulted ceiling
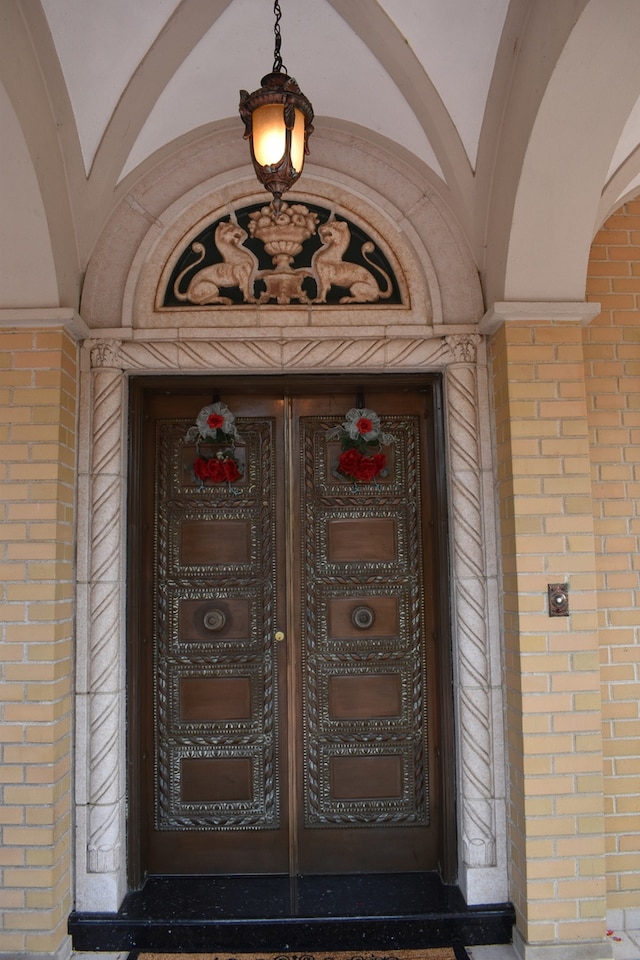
{"x": 100, "y": 46}
{"x": 499, "y": 102}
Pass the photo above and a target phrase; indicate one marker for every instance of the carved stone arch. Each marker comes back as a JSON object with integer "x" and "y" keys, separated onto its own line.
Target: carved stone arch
{"x": 436, "y": 329}
{"x": 421, "y": 301}
{"x": 364, "y": 178}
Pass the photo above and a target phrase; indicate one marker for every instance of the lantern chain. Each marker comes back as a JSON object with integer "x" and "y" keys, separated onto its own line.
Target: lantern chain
{"x": 278, "y": 66}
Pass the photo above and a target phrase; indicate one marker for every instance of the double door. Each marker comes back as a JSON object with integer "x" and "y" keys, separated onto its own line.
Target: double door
{"x": 286, "y": 708}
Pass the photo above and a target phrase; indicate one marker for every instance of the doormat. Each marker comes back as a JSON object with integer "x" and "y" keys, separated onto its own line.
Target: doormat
{"x": 430, "y": 953}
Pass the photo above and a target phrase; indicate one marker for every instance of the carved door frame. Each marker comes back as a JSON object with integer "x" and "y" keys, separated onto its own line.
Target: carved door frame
{"x": 101, "y": 702}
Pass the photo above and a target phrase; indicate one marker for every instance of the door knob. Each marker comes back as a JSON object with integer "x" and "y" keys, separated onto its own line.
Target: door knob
{"x": 279, "y": 635}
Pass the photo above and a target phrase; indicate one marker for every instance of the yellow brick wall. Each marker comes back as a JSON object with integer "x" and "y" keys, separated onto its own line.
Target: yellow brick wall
{"x": 37, "y": 481}
{"x": 552, "y": 668}
{"x": 612, "y": 355}
{"x": 567, "y": 406}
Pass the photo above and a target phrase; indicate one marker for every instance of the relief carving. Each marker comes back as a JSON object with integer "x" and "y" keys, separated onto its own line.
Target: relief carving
{"x": 238, "y": 269}
{"x": 464, "y": 347}
{"x": 105, "y": 353}
{"x": 315, "y": 257}
{"x": 330, "y": 270}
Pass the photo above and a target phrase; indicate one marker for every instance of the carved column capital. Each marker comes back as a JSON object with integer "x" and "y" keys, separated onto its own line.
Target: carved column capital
{"x": 106, "y": 353}
{"x": 463, "y": 346}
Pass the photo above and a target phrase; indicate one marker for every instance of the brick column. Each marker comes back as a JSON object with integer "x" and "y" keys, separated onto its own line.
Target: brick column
{"x": 612, "y": 355}
{"x": 552, "y": 673}
{"x": 38, "y": 430}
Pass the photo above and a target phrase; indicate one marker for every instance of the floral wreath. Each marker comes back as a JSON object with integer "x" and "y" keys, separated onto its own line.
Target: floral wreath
{"x": 215, "y": 424}
{"x": 360, "y": 436}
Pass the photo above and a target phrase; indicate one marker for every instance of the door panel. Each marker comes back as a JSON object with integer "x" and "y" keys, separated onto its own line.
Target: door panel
{"x": 216, "y": 772}
{"x": 316, "y": 753}
{"x": 365, "y": 770}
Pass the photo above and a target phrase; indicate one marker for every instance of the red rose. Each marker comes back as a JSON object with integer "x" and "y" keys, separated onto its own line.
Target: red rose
{"x": 366, "y": 470}
{"x": 364, "y": 425}
{"x": 214, "y": 421}
{"x": 201, "y": 468}
{"x": 353, "y": 464}
{"x": 230, "y": 468}
{"x": 216, "y": 470}
{"x": 348, "y": 462}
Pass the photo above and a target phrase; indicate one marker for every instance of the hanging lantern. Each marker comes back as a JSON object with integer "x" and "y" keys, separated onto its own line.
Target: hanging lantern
{"x": 278, "y": 123}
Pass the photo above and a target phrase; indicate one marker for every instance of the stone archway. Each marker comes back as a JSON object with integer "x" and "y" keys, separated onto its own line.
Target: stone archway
{"x": 302, "y": 339}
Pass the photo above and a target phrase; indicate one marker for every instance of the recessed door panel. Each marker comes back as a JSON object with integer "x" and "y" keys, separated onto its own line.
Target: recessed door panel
{"x": 366, "y": 778}
{"x": 216, "y": 780}
{"x": 215, "y": 699}
{"x": 206, "y": 542}
{"x": 361, "y": 539}
{"x": 287, "y": 680}
{"x": 367, "y": 697}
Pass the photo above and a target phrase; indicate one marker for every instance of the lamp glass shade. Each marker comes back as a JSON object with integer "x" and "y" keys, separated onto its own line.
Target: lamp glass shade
{"x": 297, "y": 142}
{"x": 269, "y": 136}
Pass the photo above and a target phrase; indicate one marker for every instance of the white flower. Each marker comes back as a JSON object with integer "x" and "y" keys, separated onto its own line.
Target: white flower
{"x": 362, "y": 426}
{"x": 216, "y": 416}
{"x": 363, "y": 423}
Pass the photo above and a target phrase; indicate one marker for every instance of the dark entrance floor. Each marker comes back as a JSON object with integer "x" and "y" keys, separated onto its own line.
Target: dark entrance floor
{"x": 278, "y": 914}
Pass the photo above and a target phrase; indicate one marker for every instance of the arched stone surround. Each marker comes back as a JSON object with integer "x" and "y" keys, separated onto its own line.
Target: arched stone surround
{"x": 436, "y": 330}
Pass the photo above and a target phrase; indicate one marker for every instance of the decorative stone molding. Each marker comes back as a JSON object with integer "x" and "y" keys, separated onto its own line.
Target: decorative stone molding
{"x": 44, "y": 318}
{"x": 476, "y": 647}
{"x": 257, "y": 353}
{"x": 530, "y": 311}
{"x": 470, "y": 602}
{"x": 105, "y": 607}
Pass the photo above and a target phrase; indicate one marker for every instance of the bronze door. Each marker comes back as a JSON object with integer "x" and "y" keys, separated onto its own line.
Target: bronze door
{"x": 286, "y": 710}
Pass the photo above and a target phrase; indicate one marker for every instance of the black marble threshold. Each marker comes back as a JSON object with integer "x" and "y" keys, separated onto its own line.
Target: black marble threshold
{"x": 304, "y": 914}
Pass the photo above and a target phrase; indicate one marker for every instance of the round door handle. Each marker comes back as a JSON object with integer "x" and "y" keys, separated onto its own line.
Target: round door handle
{"x": 214, "y": 619}
{"x": 279, "y": 635}
{"x": 363, "y": 617}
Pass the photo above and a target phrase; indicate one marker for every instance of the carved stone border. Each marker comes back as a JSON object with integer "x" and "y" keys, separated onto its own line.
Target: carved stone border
{"x": 101, "y": 688}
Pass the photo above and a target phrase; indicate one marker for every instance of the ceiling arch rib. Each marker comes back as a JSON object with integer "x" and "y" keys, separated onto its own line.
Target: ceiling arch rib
{"x": 184, "y": 29}
{"x": 622, "y": 186}
{"x": 539, "y": 33}
{"x": 382, "y": 37}
{"x": 580, "y": 120}
{"x": 31, "y": 74}
{"x": 493, "y": 121}
{"x": 350, "y": 85}
{"x": 99, "y": 46}
{"x": 457, "y": 42}
{"x": 628, "y": 140}
{"x": 26, "y": 242}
